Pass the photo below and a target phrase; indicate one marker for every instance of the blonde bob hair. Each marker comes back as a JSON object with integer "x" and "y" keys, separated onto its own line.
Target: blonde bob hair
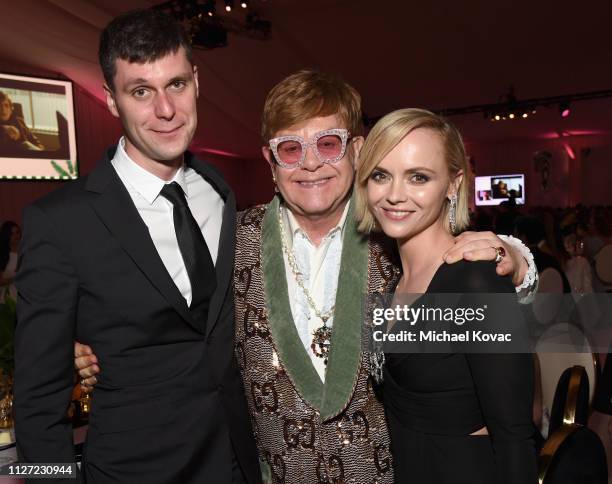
{"x": 386, "y": 135}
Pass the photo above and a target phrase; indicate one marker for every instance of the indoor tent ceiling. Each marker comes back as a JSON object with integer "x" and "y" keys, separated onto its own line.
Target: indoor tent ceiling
{"x": 396, "y": 53}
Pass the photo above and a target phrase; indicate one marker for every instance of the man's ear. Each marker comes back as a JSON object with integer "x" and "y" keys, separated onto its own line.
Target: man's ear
{"x": 195, "y": 78}
{"x": 356, "y": 145}
{"x": 268, "y": 155}
{"x": 110, "y": 101}
{"x": 453, "y": 187}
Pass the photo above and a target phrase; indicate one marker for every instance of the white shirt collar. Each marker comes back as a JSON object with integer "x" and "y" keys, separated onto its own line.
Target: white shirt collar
{"x": 144, "y": 182}
{"x": 294, "y": 227}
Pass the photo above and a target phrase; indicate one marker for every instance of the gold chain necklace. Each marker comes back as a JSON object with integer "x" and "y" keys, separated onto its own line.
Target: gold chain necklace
{"x": 321, "y": 337}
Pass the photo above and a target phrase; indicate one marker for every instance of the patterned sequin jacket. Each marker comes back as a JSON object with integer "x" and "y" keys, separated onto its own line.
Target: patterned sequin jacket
{"x": 308, "y": 431}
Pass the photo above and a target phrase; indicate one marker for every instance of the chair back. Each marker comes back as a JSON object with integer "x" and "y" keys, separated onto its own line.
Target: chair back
{"x": 573, "y": 453}
{"x": 603, "y": 265}
{"x": 560, "y": 347}
{"x": 571, "y": 400}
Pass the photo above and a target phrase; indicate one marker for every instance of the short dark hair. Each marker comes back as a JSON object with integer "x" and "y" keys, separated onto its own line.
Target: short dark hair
{"x": 142, "y": 35}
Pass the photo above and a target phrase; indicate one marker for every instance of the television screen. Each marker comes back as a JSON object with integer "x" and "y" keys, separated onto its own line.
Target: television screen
{"x": 37, "y": 129}
{"x": 492, "y": 190}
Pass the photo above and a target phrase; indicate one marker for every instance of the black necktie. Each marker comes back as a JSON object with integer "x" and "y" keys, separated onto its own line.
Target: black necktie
{"x": 194, "y": 250}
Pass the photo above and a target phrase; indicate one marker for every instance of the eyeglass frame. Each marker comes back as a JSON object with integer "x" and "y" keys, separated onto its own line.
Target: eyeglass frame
{"x": 343, "y": 133}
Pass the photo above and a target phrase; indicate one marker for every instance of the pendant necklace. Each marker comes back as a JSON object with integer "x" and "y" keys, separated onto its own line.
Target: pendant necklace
{"x": 321, "y": 337}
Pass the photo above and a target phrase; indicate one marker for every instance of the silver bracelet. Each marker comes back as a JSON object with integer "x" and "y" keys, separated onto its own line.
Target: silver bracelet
{"x": 531, "y": 277}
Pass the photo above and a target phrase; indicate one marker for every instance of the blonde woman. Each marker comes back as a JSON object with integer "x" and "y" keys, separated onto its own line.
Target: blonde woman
{"x": 453, "y": 418}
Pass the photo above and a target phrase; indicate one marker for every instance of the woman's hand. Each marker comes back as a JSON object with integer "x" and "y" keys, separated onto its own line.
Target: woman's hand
{"x": 473, "y": 246}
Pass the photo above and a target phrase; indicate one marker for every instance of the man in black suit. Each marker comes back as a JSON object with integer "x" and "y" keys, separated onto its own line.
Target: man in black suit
{"x": 136, "y": 261}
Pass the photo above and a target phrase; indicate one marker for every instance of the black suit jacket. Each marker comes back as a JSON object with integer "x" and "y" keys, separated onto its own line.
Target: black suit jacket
{"x": 169, "y": 405}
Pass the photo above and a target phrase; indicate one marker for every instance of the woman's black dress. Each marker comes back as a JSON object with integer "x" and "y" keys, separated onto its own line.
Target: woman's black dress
{"x": 435, "y": 401}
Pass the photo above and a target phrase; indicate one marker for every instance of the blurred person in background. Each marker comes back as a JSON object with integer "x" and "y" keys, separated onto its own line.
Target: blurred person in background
{"x": 15, "y": 136}
{"x": 10, "y": 235}
{"x": 531, "y": 231}
{"x": 577, "y": 268}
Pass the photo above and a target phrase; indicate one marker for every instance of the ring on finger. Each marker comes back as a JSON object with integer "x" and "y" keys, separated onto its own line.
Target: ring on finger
{"x": 500, "y": 253}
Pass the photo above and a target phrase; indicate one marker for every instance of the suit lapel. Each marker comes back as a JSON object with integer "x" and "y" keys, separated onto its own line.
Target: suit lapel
{"x": 345, "y": 351}
{"x": 227, "y": 239}
{"x": 331, "y": 397}
{"x": 117, "y": 212}
{"x": 291, "y": 351}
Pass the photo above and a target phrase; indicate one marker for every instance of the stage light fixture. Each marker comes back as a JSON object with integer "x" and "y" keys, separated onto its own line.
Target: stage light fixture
{"x": 259, "y": 28}
{"x": 508, "y": 107}
{"x": 208, "y": 30}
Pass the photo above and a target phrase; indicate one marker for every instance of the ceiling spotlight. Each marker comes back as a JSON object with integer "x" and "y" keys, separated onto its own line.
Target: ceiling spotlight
{"x": 244, "y": 4}
{"x": 564, "y": 110}
{"x": 511, "y": 115}
{"x": 229, "y": 4}
{"x": 209, "y": 7}
{"x": 525, "y": 115}
{"x": 497, "y": 117}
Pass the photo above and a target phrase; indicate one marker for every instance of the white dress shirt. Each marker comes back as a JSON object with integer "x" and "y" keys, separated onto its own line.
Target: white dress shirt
{"x": 205, "y": 204}
{"x": 320, "y": 268}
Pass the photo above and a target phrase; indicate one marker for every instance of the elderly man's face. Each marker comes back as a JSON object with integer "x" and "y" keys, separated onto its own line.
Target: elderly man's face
{"x": 6, "y": 109}
{"x": 316, "y": 189}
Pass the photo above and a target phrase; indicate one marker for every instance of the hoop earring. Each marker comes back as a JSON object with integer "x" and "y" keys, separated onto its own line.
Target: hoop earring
{"x": 275, "y": 185}
{"x": 452, "y": 213}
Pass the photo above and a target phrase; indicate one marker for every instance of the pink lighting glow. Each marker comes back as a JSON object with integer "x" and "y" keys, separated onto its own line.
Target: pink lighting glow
{"x": 574, "y": 132}
{"x": 565, "y": 113}
{"x": 569, "y": 151}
